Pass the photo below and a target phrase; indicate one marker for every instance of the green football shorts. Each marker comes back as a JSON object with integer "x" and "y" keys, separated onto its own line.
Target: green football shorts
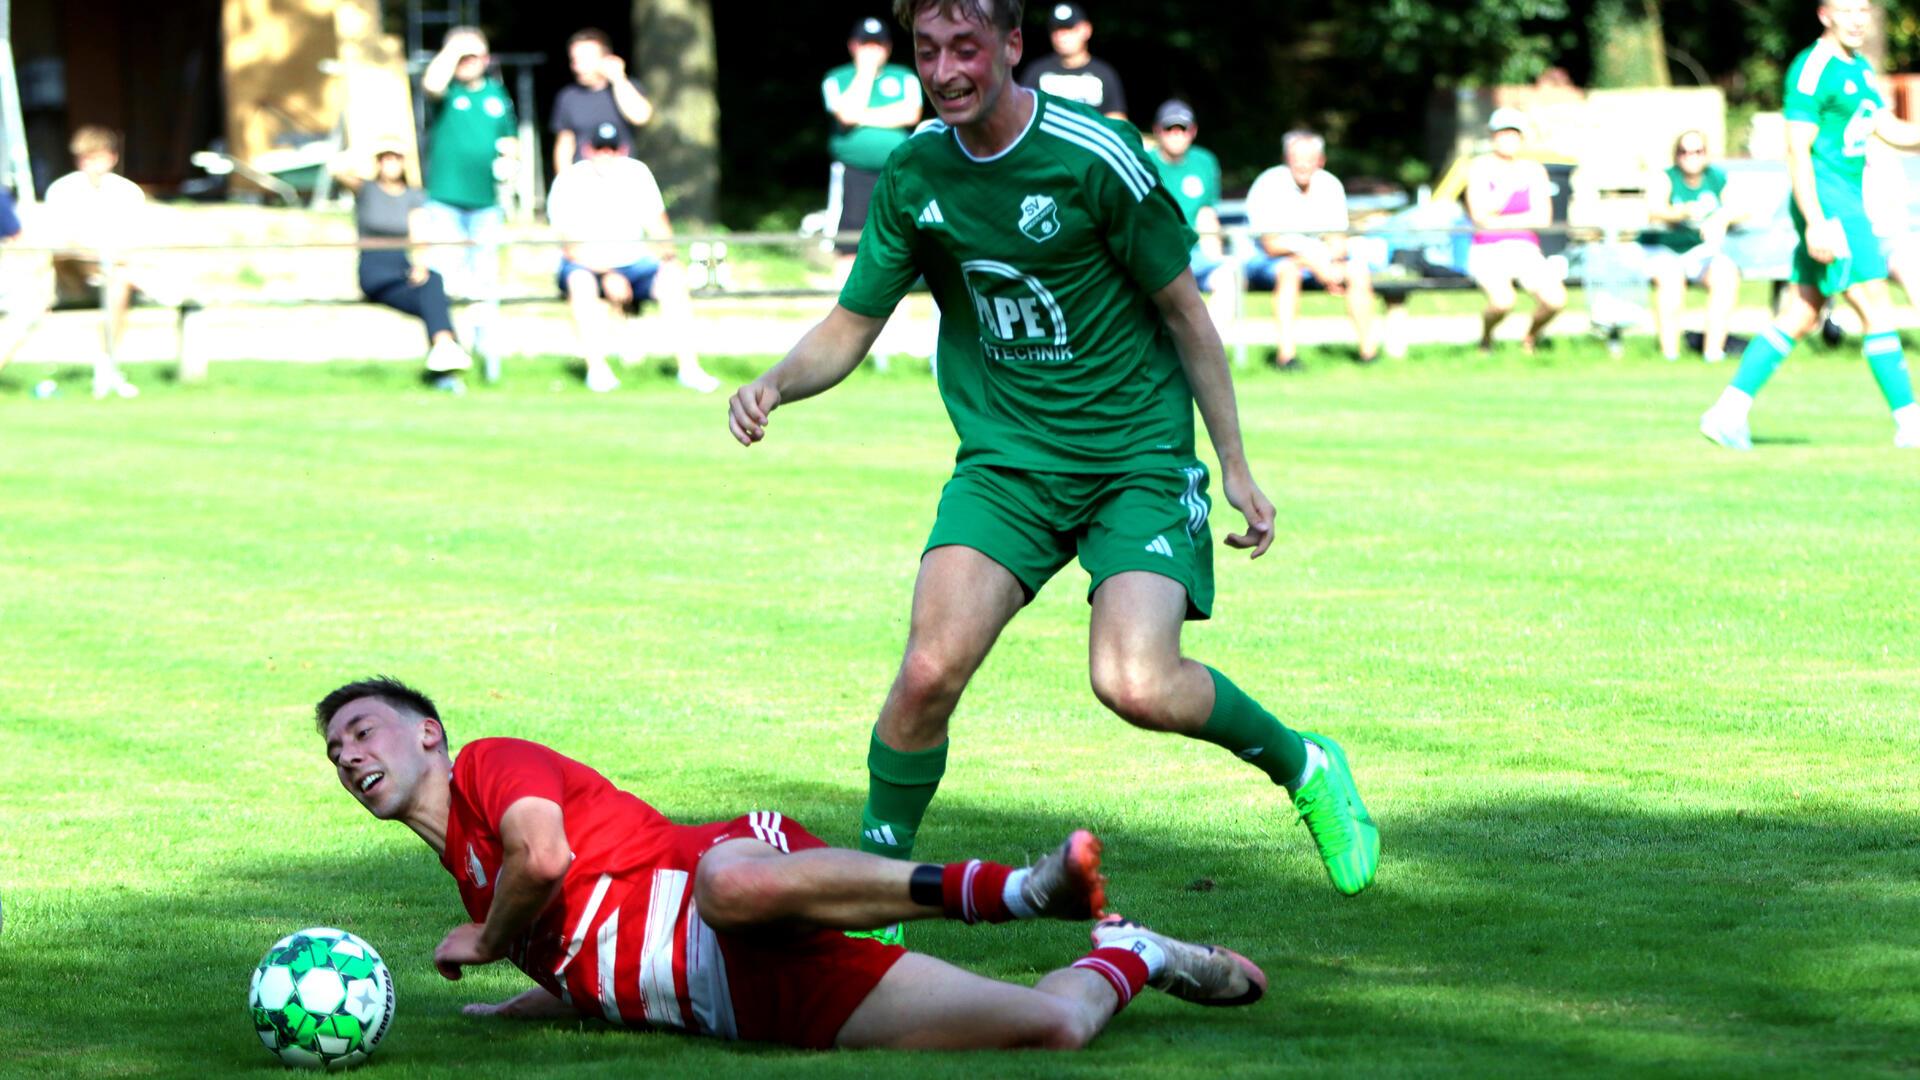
{"x": 1032, "y": 523}
{"x": 1865, "y": 261}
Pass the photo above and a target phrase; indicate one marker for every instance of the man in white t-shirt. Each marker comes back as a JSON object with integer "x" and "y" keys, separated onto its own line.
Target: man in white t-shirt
{"x": 1299, "y": 210}
{"x": 93, "y": 213}
{"x": 608, "y": 208}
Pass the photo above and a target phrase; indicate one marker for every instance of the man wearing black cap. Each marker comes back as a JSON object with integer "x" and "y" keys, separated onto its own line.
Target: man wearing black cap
{"x": 1191, "y": 174}
{"x": 619, "y": 251}
{"x": 874, "y": 106}
{"x": 1072, "y": 72}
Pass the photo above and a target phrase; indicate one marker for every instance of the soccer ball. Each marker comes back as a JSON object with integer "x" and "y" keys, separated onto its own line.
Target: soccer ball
{"x": 321, "y": 998}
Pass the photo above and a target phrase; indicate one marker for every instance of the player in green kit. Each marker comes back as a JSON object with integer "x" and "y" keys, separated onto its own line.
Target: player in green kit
{"x": 1833, "y": 108}
{"x": 1073, "y": 349}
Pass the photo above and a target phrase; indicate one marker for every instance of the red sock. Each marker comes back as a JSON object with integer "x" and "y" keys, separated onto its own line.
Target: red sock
{"x": 971, "y": 891}
{"x": 1122, "y": 968}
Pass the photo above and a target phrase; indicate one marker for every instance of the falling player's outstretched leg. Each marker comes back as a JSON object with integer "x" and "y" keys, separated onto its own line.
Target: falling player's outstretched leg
{"x": 1138, "y": 672}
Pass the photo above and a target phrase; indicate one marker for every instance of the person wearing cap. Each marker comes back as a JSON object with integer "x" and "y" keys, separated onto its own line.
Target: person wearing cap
{"x": 601, "y": 93}
{"x": 1072, "y": 72}
{"x": 388, "y": 211}
{"x": 1687, "y": 207}
{"x": 1508, "y": 197}
{"x": 1299, "y": 210}
{"x": 1191, "y": 174}
{"x": 617, "y": 252}
{"x": 874, "y": 106}
{"x": 470, "y": 147}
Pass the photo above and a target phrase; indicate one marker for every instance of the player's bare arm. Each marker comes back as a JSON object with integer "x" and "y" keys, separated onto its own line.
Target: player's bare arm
{"x": 826, "y": 355}
{"x": 1898, "y": 133}
{"x": 1826, "y": 240}
{"x": 1205, "y": 361}
{"x": 534, "y": 1003}
{"x": 533, "y": 863}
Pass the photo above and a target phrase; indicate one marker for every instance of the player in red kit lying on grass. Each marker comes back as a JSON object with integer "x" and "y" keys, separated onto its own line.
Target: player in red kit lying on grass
{"x": 735, "y": 928}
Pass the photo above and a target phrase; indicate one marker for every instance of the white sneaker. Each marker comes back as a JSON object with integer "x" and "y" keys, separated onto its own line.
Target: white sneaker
{"x": 601, "y": 379}
{"x": 446, "y": 356}
{"x": 697, "y": 379}
{"x": 1728, "y": 430}
{"x": 118, "y": 387}
{"x": 1202, "y": 974}
{"x": 1907, "y": 436}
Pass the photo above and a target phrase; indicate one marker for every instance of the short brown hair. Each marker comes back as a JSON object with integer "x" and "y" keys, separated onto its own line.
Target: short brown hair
{"x": 1002, "y": 15}
{"x": 94, "y": 139}
{"x": 397, "y": 695}
{"x": 594, "y": 34}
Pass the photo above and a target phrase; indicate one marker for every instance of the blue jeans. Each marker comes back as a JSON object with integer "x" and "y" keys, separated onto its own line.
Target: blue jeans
{"x": 472, "y": 271}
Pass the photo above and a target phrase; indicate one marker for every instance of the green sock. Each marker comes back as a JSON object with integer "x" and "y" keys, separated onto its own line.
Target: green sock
{"x": 900, "y": 784}
{"x": 1764, "y": 354}
{"x": 1242, "y": 726}
{"x": 1889, "y": 366}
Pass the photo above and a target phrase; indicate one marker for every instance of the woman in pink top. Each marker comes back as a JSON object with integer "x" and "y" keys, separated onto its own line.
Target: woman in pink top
{"x": 1508, "y": 198}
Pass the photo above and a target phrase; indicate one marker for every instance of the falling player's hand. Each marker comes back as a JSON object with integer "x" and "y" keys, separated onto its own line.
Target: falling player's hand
{"x": 747, "y": 412}
{"x": 461, "y": 947}
{"x": 1245, "y": 496}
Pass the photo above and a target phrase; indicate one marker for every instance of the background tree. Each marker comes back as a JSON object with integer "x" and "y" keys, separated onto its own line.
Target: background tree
{"x": 673, "y": 57}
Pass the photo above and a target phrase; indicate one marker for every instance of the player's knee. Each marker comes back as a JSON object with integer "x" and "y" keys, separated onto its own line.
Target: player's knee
{"x": 1134, "y": 690}
{"x": 737, "y": 894}
{"x": 929, "y": 675}
{"x": 1063, "y": 1027}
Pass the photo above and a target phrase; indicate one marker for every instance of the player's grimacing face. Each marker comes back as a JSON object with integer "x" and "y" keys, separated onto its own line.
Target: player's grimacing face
{"x": 379, "y": 755}
{"x": 1850, "y": 20}
{"x": 964, "y": 66}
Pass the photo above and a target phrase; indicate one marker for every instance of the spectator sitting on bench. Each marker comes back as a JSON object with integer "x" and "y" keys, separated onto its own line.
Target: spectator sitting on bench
{"x": 94, "y": 212}
{"x": 608, "y": 209}
{"x": 1507, "y": 198}
{"x": 1299, "y": 210}
{"x": 386, "y": 207}
{"x": 1191, "y": 174}
{"x": 1687, "y": 205}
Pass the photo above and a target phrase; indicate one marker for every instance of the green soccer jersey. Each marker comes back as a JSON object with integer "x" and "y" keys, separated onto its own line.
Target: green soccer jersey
{"x": 1685, "y": 235}
{"x": 867, "y": 147}
{"x": 1835, "y": 91}
{"x": 1043, "y": 259}
{"x": 1194, "y": 182}
{"x": 463, "y": 143}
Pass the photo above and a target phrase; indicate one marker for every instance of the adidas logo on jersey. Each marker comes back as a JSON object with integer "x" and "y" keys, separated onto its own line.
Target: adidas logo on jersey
{"x": 930, "y": 215}
{"x": 1159, "y": 546}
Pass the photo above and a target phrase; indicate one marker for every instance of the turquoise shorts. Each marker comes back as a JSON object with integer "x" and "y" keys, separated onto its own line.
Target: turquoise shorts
{"x": 1865, "y": 261}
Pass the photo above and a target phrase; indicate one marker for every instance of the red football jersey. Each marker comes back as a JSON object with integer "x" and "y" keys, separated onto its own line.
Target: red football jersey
{"x": 624, "y": 939}
{"x": 615, "y": 837}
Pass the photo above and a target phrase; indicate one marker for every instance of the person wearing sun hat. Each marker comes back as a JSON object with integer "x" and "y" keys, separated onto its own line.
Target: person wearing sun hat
{"x": 1508, "y": 198}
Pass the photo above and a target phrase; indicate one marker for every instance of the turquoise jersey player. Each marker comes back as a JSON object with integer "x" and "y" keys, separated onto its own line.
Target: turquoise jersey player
{"x": 1073, "y": 350}
{"x": 1833, "y": 107}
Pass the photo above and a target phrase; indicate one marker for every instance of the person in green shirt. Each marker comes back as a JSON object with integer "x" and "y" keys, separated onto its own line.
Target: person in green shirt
{"x": 471, "y": 144}
{"x": 1073, "y": 350}
{"x": 1191, "y": 174}
{"x": 874, "y": 104}
{"x": 1833, "y": 108}
{"x": 1687, "y": 205}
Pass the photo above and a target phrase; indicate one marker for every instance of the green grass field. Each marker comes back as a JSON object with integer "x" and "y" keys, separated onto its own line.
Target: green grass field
{"x": 1635, "y": 714}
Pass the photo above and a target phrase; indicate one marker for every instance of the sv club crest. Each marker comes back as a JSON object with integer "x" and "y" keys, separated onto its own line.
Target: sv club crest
{"x": 1039, "y": 218}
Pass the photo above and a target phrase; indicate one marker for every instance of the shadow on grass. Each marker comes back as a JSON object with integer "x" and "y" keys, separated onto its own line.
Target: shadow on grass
{"x": 1525, "y": 932}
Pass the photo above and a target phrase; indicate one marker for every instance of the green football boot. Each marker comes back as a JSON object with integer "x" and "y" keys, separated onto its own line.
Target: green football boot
{"x": 895, "y": 934}
{"x": 1330, "y": 804}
